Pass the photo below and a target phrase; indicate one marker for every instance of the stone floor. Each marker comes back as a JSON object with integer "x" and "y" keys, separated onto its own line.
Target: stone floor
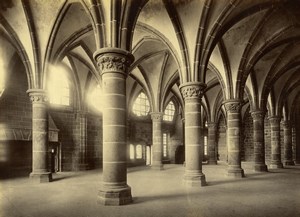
{"x": 157, "y": 193}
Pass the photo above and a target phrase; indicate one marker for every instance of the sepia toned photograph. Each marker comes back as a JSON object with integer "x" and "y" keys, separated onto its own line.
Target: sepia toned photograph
{"x": 149, "y": 108}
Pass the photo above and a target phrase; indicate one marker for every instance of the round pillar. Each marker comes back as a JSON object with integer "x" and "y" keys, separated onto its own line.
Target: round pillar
{"x": 233, "y": 109}
{"x": 40, "y": 171}
{"x": 288, "y": 152}
{"x": 259, "y": 141}
{"x": 295, "y": 149}
{"x": 113, "y": 64}
{"x": 212, "y": 141}
{"x": 275, "y": 143}
{"x": 192, "y": 94}
{"x": 157, "y": 140}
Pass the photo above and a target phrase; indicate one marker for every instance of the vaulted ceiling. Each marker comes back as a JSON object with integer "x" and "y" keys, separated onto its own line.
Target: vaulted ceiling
{"x": 248, "y": 49}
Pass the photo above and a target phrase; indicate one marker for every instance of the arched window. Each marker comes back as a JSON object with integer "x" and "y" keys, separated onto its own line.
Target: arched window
{"x": 58, "y": 87}
{"x": 169, "y": 112}
{"x": 139, "y": 152}
{"x": 95, "y": 98}
{"x": 131, "y": 152}
{"x": 141, "y": 106}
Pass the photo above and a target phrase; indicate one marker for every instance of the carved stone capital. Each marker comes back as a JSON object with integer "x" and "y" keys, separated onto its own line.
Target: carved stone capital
{"x": 157, "y": 116}
{"x": 233, "y": 105}
{"x": 37, "y": 95}
{"x": 113, "y": 60}
{"x": 258, "y": 115}
{"x": 192, "y": 90}
{"x": 274, "y": 120}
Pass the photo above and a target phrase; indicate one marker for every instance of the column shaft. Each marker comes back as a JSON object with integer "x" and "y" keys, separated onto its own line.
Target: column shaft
{"x": 297, "y": 145}
{"x": 157, "y": 140}
{"x": 192, "y": 93}
{"x": 40, "y": 171}
{"x": 288, "y": 152}
{"x": 212, "y": 141}
{"x": 259, "y": 141}
{"x": 113, "y": 65}
{"x": 233, "y": 109}
{"x": 275, "y": 143}
{"x": 296, "y": 150}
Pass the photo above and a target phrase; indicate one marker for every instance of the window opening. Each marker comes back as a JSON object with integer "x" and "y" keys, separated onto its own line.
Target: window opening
{"x": 169, "y": 112}
{"x": 165, "y": 144}
{"x": 95, "y": 98}
{"x": 141, "y": 106}
{"x": 131, "y": 152}
{"x": 205, "y": 145}
{"x": 139, "y": 152}
{"x": 58, "y": 87}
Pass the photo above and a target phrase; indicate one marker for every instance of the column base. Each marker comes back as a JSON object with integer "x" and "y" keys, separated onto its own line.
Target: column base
{"x": 235, "y": 172}
{"x": 157, "y": 167}
{"x": 212, "y": 162}
{"x": 41, "y": 177}
{"x": 115, "y": 197}
{"x": 278, "y": 165}
{"x": 297, "y": 162}
{"x": 194, "y": 180}
{"x": 289, "y": 163}
{"x": 260, "y": 168}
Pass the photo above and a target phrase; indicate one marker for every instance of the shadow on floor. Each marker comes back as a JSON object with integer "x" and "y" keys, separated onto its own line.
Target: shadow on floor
{"x": 14, "y": 173}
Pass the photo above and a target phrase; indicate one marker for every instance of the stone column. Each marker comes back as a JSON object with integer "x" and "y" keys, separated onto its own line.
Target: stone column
{"x": 294, "y": 141}
{"x": 288, "y": 153}
{"x": 157, "y": 140}
{"x": 297, "y": 145}
{"x": 275, "y": 143}
{"x": 113, "y": 64}
{"x": 259, "y": 141}
{"x": 192, "y": 93}
{"x": 233, "y": 109}
{"x": 212, "y": 142}
{"x": 40, "y": 171}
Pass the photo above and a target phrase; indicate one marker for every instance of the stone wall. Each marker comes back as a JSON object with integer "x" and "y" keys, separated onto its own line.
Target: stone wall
{"x": 294, "y": 142}
{"x": 267, "y": 140}
{"x": 15, "y": 106}
{"x": 65, "y": 122}
{"x": 221, "y": 143}
{"x": 247, "y": 146}
{"x": 176, "y": 140}
{"x": 140, "y": 132}
{"x": 16, "y": 125}
{"x": 94, "y": 141}
{"x": 15, "y": 122}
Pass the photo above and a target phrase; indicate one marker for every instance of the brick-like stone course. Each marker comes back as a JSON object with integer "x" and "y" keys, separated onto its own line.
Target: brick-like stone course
{"x": 247, "y": 153}
{"x": 221, "y": 140}
{"x": 16, "y": 120}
